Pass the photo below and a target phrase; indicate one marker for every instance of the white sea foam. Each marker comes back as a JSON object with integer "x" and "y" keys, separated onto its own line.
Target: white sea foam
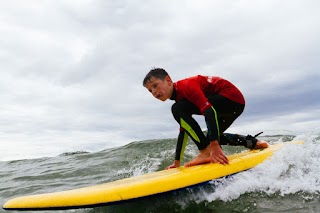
{"x": 293, "y": 169}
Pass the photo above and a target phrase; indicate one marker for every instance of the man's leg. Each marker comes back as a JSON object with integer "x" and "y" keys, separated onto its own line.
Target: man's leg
{"x": 228, "y": 111}
{"x": 182, "y": 112}
{"x": 240, "y": 140}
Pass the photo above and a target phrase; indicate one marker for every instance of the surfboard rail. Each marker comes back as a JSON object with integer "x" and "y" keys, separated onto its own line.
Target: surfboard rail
{"x": 144, "y": 185}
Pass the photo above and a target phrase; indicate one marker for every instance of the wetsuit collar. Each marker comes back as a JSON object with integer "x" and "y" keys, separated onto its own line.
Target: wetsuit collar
{"x": 174, "y": 93}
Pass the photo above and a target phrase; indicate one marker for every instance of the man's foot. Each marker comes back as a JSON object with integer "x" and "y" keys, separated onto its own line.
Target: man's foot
{"x": 202, "y": 158}
{"x": 253, "y": 143}
{"x": 261, "y": 144}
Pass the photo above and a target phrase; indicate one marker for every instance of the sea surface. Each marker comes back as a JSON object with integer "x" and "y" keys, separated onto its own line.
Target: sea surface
{"x": 288, "y": 182}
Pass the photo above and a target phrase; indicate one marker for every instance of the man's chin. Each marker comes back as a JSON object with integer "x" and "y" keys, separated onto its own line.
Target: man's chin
{"x": 162, "y": 99}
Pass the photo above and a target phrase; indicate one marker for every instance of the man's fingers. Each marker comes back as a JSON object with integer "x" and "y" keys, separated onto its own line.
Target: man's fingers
{"x": 222, "y": 159}
{"x": 225, "y": 159}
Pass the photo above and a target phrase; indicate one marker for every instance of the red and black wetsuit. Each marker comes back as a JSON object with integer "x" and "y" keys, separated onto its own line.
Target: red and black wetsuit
{"x": 217, "y": 99}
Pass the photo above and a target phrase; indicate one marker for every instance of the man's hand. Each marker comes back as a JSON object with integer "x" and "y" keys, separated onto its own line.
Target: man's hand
{"x": 216, "y": 153}
{"x": 175, "y": 164}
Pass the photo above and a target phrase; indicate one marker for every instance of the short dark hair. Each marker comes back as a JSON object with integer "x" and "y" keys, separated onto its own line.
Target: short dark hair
{"x": 157, "y": 73}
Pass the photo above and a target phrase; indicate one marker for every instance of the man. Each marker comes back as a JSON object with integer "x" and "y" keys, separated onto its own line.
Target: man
{"x": 217, "y": 99}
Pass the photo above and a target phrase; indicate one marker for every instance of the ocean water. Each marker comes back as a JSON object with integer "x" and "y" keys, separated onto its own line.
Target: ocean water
{"x": 288, "y": 182}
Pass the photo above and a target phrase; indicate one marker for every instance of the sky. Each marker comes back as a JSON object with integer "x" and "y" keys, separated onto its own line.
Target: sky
{"x": 71, "y": 71}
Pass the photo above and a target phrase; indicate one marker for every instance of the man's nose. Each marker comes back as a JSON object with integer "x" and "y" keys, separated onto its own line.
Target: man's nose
{"x": 154, "y": 92}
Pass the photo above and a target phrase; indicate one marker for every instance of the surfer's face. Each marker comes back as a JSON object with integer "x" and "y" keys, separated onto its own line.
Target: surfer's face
{"x": 160, "y": 89}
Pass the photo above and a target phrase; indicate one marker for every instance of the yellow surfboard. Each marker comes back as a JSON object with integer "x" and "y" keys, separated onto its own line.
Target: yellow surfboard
{"x": 141, "y": 186}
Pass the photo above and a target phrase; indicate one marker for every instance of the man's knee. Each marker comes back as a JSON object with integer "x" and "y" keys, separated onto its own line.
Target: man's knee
{"x": 176, "y": 111}
{"x": 183, "y": 109}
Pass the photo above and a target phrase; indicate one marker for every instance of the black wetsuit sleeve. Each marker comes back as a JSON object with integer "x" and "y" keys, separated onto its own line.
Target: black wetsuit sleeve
{"x": 211, "y": 118}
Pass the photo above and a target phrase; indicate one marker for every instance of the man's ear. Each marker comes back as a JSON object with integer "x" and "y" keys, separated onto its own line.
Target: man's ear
{"x": 168, "y": 79}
